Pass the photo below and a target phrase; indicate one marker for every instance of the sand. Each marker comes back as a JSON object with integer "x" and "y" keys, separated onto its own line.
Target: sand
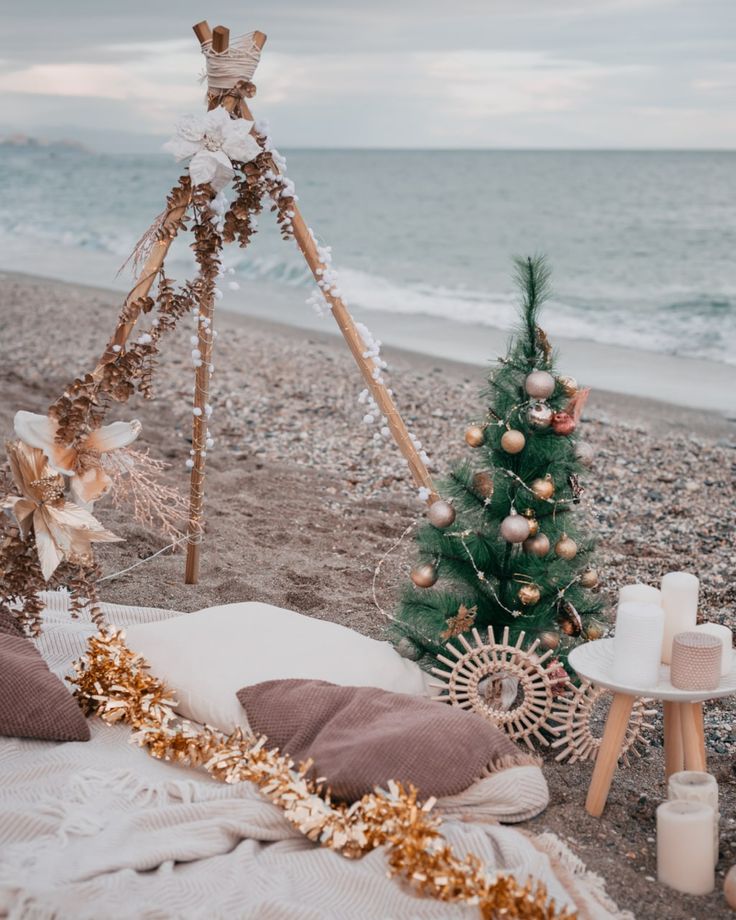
{"x": 302, "y": 504}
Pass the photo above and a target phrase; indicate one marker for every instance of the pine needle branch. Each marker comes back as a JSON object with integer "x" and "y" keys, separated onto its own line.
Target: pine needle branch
{"x": 532, "y": 276}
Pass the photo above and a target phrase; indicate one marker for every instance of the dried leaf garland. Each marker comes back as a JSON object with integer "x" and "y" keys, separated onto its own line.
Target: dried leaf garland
{"x": 113, "y": 682}
{"x": 129, "y": 366}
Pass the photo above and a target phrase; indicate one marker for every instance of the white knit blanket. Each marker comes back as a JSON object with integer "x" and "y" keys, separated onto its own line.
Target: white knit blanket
{"x": 101, "y": 830}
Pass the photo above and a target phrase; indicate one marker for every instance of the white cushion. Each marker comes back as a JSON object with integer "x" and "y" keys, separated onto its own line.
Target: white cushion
{"x": 206, "y": 657}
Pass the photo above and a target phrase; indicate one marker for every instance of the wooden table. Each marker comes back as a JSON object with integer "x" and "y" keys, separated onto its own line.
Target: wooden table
{"x": 684, "y": 738}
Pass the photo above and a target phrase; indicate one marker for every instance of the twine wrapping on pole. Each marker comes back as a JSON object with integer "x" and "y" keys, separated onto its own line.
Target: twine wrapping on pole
{"x": 238, "y": 62}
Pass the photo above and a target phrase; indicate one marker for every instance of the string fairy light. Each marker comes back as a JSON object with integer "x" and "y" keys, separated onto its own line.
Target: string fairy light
{"x": 377, "y": 570}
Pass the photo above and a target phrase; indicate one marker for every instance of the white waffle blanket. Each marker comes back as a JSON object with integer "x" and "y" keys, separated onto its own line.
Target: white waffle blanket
{"x": 101, "y": 831}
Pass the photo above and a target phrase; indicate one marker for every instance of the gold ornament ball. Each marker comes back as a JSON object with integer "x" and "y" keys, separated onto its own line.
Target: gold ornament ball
{"x": 549, "y": 640}
{"x": 569, "y": 385}
{"x": 589, "y": 579}
{"x": 729, "y": 888}
{"x": 515, "y": 528}
{"x": 483, "y": 484}
{"x": 533, "y": 522}
{"x": 529, "y": 595}
{"x": 475, "y": 436}
{"x": 566, "y": 548}
{"x": 441, "y": 514}
{"x": 539, "y": 415}
{"x": 593, "y": 631}
{"x": 543, "y": 488}
{"x": 513, "y": 441}
{"x": 537, "y": 546}
{"x": 539, "y": 384}
{"x": 424, "y": 576}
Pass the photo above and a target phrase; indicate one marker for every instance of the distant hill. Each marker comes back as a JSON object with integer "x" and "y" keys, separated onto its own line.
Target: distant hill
{"x": 26, "y": 140}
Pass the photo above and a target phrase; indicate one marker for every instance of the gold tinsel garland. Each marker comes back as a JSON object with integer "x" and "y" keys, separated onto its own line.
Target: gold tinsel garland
{"x": 113, "y": 682}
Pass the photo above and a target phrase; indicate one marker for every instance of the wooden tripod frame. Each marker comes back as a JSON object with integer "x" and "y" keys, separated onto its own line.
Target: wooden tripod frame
{"x": 220, "y": 37}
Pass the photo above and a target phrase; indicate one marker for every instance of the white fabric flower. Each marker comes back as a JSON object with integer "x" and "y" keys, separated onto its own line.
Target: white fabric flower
{"x": 213, "y": 141}
{"x": 88, "y": 481}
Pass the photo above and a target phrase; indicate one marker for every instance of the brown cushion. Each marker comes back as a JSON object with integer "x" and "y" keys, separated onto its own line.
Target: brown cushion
{"x": 9, "y": 624}
{"x": 34, "y": 703}
{"x": 361, "y": 737}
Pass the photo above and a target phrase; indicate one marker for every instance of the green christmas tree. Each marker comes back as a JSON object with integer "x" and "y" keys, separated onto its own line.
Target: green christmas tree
{"x": 504, "y": 544}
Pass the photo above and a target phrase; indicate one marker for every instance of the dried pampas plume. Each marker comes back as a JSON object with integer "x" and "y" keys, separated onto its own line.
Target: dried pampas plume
{"x": 137, "y": 485}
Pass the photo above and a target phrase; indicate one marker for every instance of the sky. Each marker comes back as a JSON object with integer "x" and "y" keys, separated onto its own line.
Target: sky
{"x": 384, "y": 73}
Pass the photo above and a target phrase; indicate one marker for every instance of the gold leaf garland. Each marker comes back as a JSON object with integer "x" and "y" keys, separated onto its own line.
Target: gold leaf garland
{"x": 114, "y": 682}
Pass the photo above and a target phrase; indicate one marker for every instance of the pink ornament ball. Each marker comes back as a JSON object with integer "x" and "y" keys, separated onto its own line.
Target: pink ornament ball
{"x": 515, "y": 528}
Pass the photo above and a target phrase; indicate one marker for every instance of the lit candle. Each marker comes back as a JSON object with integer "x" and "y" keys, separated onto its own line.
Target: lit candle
{"x": 726, "y": 636}
{"x": 638, "y": 645}
{"x": 694, "y": 786}
{"x": 680, "y": 605}
{"x": 639, "y": 594}
{"x": 685, "y": 846}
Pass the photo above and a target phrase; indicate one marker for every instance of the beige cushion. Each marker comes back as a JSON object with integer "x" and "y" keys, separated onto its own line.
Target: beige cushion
{"x": 206, "y": 657}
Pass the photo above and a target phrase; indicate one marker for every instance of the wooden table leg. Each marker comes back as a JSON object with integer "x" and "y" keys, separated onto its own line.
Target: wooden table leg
{"x": 674, "y": 756}
{"x": 699, "y": 724}
{"x": 693, "y": 739}
{"x": 609, "y": 752}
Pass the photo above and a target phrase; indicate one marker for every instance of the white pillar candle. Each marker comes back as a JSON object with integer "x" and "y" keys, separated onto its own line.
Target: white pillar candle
{"x": 680, "y": 605}
{"x": 726, "y": 636}
{"x": 639, "y": 594}
{"x": 638, "y": 645}
{"x": 694, "y": 786}
{"x": 685, "y": 846}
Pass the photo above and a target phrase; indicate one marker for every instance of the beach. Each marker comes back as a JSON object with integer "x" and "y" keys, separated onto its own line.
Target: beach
{"x": 302, "y": 503}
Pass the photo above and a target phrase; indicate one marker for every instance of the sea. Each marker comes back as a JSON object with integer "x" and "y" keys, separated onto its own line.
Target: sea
{"x": 642, "y": 245}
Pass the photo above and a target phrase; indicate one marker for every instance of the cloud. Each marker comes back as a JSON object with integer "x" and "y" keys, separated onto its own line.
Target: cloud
{"x": 608, "y": 73}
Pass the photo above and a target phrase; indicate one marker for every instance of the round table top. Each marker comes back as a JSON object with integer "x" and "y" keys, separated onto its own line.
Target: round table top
{"x": 594, "y": 662}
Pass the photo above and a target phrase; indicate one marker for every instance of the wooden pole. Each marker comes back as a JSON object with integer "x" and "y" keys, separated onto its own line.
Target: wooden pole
{"x": 195, "y": 526}
{"x": 203, "y": 32}
{"x": 205, "y": 341}
{"x": 220, "y": 39}
{"x": 357, "y": 346}
{"x": 144, "y": 284}
{"x": 384, "y": 401}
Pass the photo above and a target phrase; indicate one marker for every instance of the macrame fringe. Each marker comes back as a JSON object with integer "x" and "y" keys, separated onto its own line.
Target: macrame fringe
{"x": 507, "y": 762}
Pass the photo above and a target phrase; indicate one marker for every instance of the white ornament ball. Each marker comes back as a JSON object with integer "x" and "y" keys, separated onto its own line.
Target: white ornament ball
{"x": 515, "y": 528}
{"x": 407, "y": 648}
{"x": 539, "y": 384}
{"x": 441, "y": 514}
{"x": 584, "y": 453}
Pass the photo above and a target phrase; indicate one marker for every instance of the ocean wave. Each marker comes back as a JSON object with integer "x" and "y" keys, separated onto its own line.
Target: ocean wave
{"x": 701, "y": 327}
{"x": 673, "y": 322}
